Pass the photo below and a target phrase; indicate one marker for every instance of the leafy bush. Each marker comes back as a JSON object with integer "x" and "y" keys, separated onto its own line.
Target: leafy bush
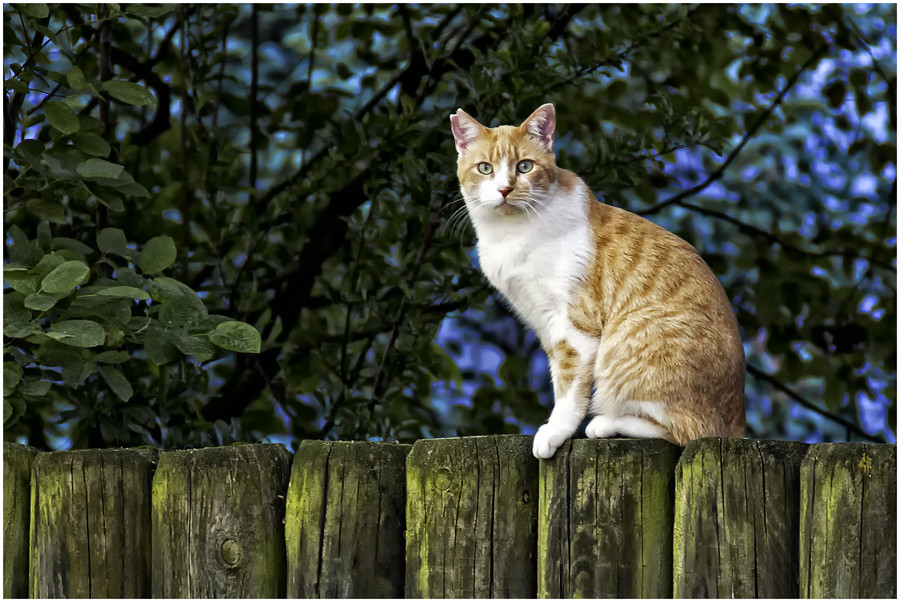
{"x": 199, "y": 174}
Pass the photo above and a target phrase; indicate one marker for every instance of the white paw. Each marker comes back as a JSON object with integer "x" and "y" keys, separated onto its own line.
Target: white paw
{"x": 601, "y": 427}
{"x": 548, "y": 439}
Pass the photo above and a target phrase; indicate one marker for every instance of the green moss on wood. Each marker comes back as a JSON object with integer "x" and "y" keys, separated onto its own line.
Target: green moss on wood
{"x": 217, "y": 519}
{"x": 17, "y": 461}
{"x": 90, "y": 529}
{"x": 605, "y": 519}
{"x": 848, "y": 520}
{"x": 736, "y": 519}
{"x": 471, "y": 518}
{"x": 345, "y": 520}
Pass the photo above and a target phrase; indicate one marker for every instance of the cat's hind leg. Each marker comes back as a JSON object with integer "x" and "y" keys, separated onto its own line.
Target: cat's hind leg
{"x": 602, "y": 427}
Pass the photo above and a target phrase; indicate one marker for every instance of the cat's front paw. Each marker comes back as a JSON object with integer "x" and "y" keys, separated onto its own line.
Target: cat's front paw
{"x": 548, "y": 439}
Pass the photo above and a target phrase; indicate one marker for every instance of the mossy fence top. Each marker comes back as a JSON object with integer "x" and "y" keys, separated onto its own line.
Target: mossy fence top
{"x": 465, "y": 517}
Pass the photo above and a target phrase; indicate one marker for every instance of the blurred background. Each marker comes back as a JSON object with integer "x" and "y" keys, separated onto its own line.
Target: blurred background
{"x": 291, "y": 168}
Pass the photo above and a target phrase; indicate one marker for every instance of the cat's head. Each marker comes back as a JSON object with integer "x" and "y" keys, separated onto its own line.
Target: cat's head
{"x": 506, "y": 169}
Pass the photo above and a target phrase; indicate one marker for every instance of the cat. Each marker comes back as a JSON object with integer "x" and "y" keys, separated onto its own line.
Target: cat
{"x": 638, "y": 331}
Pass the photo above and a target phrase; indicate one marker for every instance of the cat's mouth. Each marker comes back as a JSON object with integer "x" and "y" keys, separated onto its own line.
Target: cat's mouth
{"x": 508, "y": 208}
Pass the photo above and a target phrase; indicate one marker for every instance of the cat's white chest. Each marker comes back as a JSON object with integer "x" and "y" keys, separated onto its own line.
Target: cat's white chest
{"x": 536, "y": 273}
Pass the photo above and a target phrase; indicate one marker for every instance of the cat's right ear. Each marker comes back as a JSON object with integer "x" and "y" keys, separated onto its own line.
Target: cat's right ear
{"x": 465, "y": 130}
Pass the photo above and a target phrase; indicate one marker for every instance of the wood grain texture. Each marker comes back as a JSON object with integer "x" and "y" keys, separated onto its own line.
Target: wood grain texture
{"x": 471, "y": 516}
{"x": 17, "y": 461}
{"x": 345, "y": 521}
{"x": 737, "y": 519}
{"x": 848, "y": 521}
{"x": 605, "y": 519}
{"x": 90, "y": 524}
{"x": 218, "y": 529}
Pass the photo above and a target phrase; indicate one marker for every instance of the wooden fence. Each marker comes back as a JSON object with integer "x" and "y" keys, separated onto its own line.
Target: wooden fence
{"x": 466, "y": 517}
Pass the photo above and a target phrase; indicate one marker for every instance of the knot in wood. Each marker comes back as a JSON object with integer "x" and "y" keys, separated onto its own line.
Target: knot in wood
{"x": 231, "y": 552}
{"x": 442, "y": 479}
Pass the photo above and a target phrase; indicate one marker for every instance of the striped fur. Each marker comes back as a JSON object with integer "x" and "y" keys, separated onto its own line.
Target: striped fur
{"x": 620, "y": 305}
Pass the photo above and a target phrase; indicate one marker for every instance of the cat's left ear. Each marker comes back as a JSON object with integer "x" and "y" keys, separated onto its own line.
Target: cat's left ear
{"x": 541, "y": 125}
{"x": 465, "y": 129}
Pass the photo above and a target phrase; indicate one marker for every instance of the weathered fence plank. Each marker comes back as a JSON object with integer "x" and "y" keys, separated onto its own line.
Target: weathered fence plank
{"x": 90, "y": 524}
{"x": 218, "y": 529}
{"x": 345, "y": 522}
{"x": 17, "y": 461}
{"x": 848, "y": 520}
{"x": 605, "y": 519}
{"x": 737, "y": 519}
{"x": 471, "y": 516}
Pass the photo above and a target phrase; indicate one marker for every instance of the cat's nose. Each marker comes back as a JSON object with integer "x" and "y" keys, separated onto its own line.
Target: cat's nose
{"x": 505, "y": 190}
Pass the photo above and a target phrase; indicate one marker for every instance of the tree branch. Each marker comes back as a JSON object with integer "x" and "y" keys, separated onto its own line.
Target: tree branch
{"x": 772, "y": 239}
{"x": 378, "y": 387}
{"x": 718, "y": 173}
{"x": 777, "y": 384}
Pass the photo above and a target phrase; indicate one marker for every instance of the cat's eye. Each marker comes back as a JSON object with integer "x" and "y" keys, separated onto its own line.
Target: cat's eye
{"x": 485, "y": 168}
{"x": 524, "y": 166}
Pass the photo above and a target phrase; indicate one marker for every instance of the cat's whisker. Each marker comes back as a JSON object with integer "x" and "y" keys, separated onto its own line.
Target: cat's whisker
{"x": 457, "y": 216}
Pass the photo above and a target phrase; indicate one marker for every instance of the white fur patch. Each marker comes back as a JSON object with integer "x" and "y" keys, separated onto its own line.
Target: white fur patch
{"x": 535, "y": 257}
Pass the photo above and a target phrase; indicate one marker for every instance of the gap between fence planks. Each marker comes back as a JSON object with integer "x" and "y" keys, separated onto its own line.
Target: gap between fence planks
{"x": 461, "y": 517}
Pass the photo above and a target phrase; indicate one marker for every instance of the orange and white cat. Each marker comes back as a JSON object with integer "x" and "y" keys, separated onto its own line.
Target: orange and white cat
{"x": 621, "y": 306}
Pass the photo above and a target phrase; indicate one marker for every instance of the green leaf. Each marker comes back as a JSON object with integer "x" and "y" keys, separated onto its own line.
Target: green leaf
{"x": 99, "y": 168}
{"x": 75, "y": 373}
{"x": 75, "y": 78}
{"x": 25, "y": 283}
{"x": 158, "y": 254}
{"x": 112, "y": 357}
{"x": 36, "y": 388}
{"x": 196, "y": 347}
{"x": 158, "y": 344}
{"x": 70, "y": 244}
{"x": 117, "y": 382}
{"x": 16, "y": 318}
{"x": 40, "y": 302}
{"x": 151, "y": 12}
{"x": 35, "y": 10}
{"x": 92, "y": 144}
{"x": 128, "y": 277}
{"x": 129, "y": 92}
{"x": 22, "y": 250}
{"x": 236, "y": 336}
{"x": 61, "y": 117}
{"x": 112, "y": 241}
{"x": 128, "y": 292}
{"x": 112, "y": 200}
{"x": 78, "y": 333}
{"x": 11, "y": 376}
{"x": 48, "y": 210}
{"x": 65, "y": 278}
{"x": 133, "y": 189}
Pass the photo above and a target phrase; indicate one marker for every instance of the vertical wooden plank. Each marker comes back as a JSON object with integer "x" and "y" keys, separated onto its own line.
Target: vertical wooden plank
{"x": 90, "y": 529}
{"x": 218, "y": 522}
{"x": 471, "y": 517}
{"x": 17, "y": 462}
{"x": 345, "y": 521}
{"x": 737, "y": 519}
{"x": 848, "y": 521}
{"x": 605, "y": 519}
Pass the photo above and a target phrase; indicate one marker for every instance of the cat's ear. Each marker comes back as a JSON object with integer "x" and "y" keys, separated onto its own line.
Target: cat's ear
{"x": 465, "y": 129}
{"x": 541, "y": 125}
